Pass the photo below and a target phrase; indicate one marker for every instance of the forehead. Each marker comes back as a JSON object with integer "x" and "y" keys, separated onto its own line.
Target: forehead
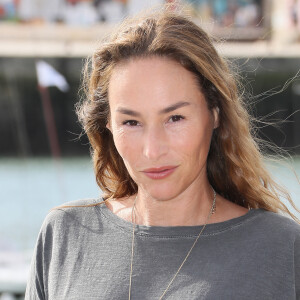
{"x": 155, "y": 80}
{"x": 153, "y": 66}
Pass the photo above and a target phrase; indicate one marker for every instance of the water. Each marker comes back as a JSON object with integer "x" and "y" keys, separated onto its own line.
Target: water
{"x": 30, "y": 188}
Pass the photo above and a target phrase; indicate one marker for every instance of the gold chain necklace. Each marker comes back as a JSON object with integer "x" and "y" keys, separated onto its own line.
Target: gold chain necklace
{"x": 212, "y": 211}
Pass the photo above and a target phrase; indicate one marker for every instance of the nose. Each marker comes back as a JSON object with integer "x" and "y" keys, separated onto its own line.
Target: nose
{"x": 155, "y": 143}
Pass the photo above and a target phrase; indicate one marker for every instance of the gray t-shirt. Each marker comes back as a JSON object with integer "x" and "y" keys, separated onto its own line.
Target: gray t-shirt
{"x": 84, "y": 253}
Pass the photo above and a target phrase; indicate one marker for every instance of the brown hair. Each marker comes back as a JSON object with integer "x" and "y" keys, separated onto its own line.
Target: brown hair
{"x": 235, "y": 165}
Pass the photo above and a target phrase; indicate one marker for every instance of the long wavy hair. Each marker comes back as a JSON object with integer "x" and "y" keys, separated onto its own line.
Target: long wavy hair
{"x": 235, "y": 166}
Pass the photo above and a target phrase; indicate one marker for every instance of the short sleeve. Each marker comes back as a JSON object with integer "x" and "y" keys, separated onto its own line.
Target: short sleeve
{"x": 36, "y": 288}
{"x": 35, "y": 283}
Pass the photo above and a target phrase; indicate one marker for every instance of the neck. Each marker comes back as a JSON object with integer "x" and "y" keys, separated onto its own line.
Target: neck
{"x": 189, "y": 209}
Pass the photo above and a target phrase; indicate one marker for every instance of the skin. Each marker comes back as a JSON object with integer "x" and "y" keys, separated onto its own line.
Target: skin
{"x": 159, "y": 117}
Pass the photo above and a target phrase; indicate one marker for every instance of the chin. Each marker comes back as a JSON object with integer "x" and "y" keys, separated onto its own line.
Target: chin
{"x": 161, "y": 192}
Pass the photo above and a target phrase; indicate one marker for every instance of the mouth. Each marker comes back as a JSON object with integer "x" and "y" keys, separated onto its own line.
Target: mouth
{"x": 159, "y": 173}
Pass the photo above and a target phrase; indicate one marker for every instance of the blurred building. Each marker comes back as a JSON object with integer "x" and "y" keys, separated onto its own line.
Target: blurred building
{"x": 229, "y": 19}
{"x": 286, "y": 20}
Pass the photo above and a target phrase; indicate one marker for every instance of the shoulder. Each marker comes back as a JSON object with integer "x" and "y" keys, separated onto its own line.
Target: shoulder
{"x": 81, "y": 202}
{"x": 76, "y": 213}
{"x": 277, "y": 225}
{"x": 278, "y": 219}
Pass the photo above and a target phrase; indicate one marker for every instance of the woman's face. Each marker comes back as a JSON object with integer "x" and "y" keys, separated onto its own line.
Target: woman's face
{"x": 161, "y": 125}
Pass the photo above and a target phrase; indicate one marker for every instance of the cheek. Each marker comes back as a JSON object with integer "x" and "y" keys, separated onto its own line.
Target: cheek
{"x": 126, "y": 145}
{"x": 192, "y": 132}
{"x": 193, "y": 143}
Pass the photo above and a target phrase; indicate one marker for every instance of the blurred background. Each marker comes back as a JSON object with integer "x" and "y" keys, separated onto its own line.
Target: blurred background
{"x": 43, "y": 46}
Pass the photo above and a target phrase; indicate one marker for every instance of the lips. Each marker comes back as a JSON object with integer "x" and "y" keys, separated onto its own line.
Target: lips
{"x": 159, "y": 173}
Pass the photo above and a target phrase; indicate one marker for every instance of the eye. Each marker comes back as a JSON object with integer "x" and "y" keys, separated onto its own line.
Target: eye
{"x": 131, "y": 123}
{"x": 176, "y": 118}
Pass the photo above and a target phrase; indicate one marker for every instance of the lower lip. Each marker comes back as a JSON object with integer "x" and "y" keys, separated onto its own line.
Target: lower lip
{"x": 160, "y": 175}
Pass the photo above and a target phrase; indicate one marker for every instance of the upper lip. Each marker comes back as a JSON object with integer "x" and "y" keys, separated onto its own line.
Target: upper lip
{"x": 160, "y": 169}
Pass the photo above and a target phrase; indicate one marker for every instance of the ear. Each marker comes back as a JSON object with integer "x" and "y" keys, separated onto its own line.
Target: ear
{"x": 215, "y": 113}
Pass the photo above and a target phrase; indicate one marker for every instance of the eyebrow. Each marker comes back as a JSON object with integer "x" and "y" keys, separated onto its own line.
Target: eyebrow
{"x": 166, "y": 110}
{"x": 174, "y": 107}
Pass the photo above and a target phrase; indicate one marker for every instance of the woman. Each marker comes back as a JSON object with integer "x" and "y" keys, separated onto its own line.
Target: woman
{"x": 189, "y": 210}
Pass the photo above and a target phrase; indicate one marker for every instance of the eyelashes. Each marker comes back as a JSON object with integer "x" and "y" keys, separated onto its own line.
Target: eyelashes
{"x": 130, "y": 123}
{"x": 176, "y": 118}
{"x": 172, "y": 119}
